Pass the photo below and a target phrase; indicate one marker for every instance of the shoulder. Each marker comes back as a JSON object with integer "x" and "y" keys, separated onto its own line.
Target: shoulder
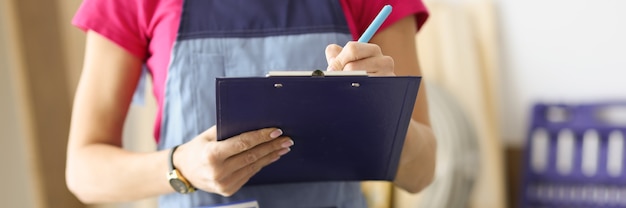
{"x": 362, "y": 12}
{"x": 128, "y": 23}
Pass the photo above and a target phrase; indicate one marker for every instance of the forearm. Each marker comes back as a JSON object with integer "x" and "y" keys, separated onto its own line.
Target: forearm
{"x": 105, "y": 173}
{"x": 417, "y": 164}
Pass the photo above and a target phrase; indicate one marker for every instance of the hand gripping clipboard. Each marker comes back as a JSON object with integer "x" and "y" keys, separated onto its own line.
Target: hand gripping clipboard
{"x": 345, "y": 128}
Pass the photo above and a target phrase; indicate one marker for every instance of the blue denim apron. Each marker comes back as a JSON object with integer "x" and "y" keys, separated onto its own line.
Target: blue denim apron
{"x": 231, "y": 38}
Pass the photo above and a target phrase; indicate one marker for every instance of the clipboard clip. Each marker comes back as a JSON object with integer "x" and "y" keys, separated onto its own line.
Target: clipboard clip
{"x": 354, "y": 84}
{"x": 320, "y": 73}
{"x": 317, "y": 73}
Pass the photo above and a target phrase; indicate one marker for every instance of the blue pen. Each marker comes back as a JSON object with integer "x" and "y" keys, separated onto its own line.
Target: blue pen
{"x": 380, "y": 18}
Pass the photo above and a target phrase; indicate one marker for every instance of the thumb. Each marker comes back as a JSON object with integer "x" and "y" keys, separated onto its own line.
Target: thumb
{"x": 210, "y": 134}
{"x": 332, "y": 51}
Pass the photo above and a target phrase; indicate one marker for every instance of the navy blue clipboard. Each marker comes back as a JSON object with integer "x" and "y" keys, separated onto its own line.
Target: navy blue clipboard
{"x": 345, "y": 128}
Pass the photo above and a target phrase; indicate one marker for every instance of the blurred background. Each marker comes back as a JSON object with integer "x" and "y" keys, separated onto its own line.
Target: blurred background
{"x": 487, "y": 63}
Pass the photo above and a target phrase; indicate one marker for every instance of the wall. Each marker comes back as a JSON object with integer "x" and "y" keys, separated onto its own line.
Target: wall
{"x": 19, "y": 187}
{"x": 37, "y": 100}
{"x": 559, "y": 50}
{"x": 17, "y": 190}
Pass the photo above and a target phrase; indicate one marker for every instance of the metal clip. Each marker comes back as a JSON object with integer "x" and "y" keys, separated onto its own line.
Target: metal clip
{"x": 318, "y": 73}
{"x": 278, "y": 85}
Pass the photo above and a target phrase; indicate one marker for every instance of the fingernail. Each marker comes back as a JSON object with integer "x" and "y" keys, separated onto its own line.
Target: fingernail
{"x": 284, "y": 151}
{"x": 276, "y": 133}
{"x": 288, "y": 143}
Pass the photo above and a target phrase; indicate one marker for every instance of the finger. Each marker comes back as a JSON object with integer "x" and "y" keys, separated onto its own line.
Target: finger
{"x": 378, "y": 66}
{"x": 236, "y": 180}
{"x": 246, "y": 141}
{"x": 332, "y": 51}
{"x": 246, "y": 158}
{"x": 354, "y": 51}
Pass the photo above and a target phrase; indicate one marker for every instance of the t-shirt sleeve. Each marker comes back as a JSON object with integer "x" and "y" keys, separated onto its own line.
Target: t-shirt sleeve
{"x": 120, "y": 21}
{"x": 362, "y": 12}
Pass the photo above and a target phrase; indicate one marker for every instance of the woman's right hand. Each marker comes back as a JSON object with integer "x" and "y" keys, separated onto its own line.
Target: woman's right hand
{"x": 223, "y": 167}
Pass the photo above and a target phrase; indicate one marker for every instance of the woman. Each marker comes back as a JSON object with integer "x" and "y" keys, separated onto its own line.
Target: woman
{"x": 185, "y": 45}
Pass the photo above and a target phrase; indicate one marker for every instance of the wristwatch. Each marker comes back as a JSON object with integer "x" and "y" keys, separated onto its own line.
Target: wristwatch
{"x": 176, "y": 179}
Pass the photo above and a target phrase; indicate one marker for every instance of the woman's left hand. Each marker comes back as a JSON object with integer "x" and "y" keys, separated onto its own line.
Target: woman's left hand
{"x": 359, "y": 56}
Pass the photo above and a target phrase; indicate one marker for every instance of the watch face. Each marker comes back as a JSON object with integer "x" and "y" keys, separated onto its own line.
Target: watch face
{"x": 178, "y": 185}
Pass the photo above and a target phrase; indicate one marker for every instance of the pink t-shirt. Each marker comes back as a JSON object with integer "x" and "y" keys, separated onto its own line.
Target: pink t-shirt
{"x": 148, "y": 28}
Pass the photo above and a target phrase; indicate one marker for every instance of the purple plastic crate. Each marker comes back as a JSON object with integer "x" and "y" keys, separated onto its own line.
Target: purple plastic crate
{"x": 574, "y": 156}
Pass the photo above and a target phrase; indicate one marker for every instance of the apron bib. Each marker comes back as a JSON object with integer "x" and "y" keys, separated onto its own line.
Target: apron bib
{"x": 231, "y": 38}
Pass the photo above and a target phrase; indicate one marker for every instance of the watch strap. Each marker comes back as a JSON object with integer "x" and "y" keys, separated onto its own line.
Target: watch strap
{"x": 171, "y": 158}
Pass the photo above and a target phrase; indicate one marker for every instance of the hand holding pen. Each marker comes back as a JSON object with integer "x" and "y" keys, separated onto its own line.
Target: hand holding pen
{"x": 362, "y": 55}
